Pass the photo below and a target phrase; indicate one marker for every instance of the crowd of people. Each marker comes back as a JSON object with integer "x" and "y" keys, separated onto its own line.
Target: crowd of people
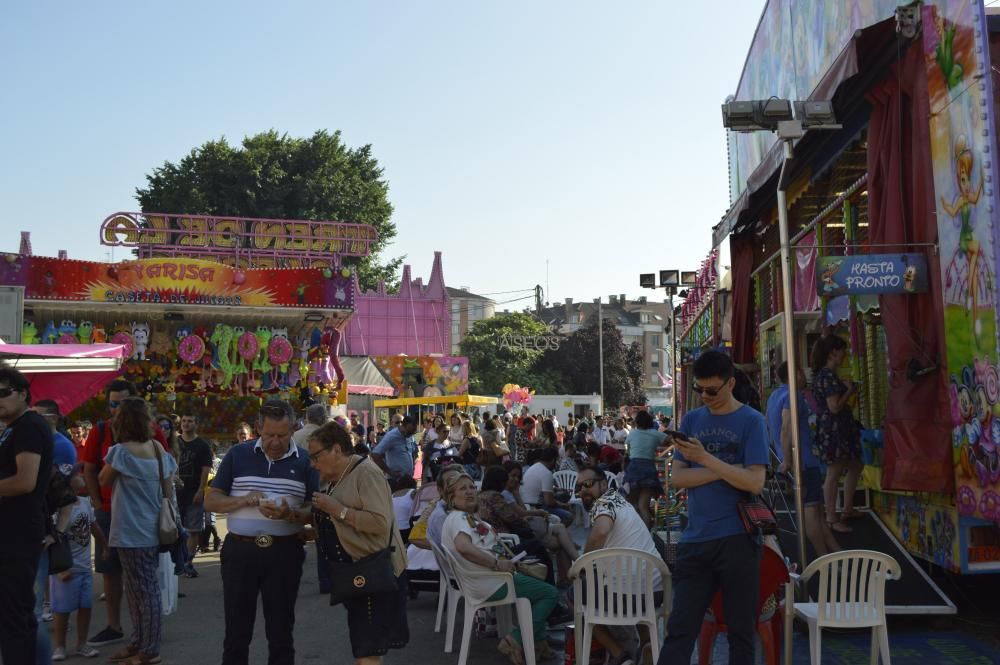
{"x": 386, "y": 502}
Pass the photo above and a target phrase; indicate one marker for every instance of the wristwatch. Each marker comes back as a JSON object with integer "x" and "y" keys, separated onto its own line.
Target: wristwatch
{"x": 343, "y": 514}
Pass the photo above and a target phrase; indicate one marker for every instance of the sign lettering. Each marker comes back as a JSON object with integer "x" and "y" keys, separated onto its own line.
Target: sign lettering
{"x": 871, "y": 274}
{"x": 530, "y": 342}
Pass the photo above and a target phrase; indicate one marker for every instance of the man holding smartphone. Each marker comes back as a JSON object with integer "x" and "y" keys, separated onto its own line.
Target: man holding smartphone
{"x": 721, "y": 459}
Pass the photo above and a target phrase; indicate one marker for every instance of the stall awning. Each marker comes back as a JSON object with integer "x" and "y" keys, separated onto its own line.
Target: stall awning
{"x": 70, "y": 374}
{"x": 869, "y": 53}
{"x": 364, "y": 378}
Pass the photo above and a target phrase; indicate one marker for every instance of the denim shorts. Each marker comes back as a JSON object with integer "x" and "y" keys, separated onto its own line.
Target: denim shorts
{"x": 812, "y": 487}
{"x": 193, "y": 518}
{"x": 75, "y": 594}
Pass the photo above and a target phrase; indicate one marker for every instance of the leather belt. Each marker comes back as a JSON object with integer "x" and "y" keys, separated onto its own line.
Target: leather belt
{"x": 264, "y": 540}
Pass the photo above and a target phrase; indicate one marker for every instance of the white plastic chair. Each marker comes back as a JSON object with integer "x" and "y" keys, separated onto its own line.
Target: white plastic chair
{"x": 566, "y": 480}
{"x": 851, "y": 595}
{"x": 448, "y": 593}
{"x": 616, "y": 589}
{"x": 521, "y": 605}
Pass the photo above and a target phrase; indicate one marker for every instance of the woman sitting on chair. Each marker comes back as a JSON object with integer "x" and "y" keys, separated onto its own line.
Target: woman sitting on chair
{"x": 476, "y": 548}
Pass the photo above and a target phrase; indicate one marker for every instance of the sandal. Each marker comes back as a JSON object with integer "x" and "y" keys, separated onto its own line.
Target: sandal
{"x": 509, "y": 647}
{"x": 143, "y": 659}
{"x": 839, "y": 527}
{"x": 850, "y": 515}
{"x": 123, "y": 655}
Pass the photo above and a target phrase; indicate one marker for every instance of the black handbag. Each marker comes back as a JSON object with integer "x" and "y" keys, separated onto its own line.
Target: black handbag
{"x": 758, "y": 516}
{"x": 60, "y": 554}
{"x": 368, "y": 576}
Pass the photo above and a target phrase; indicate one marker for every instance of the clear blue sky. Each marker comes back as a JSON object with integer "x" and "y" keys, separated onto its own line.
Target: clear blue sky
{"x": 512, "y": 132}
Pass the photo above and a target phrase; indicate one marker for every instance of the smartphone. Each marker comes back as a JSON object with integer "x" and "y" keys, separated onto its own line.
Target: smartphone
{"x": 674, "y": 434}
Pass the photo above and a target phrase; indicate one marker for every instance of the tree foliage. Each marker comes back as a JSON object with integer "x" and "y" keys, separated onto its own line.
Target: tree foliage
{"x": 578, "y": 360}
{"x": 490, "y": 367}
{"x": 272, "y": 175}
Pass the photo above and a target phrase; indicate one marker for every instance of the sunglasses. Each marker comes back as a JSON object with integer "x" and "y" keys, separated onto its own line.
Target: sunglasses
{"x": 166, "y": 425}
{"x": 586, "y": 484}
{"x": 711, "y": 392}
{"x": 114, "y": 403}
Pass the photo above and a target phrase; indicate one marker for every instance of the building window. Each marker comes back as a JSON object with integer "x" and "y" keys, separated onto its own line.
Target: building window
{"x": 655, "y": 363}
{"x": 654, "y": 340}
{"x": 643, "y": 317}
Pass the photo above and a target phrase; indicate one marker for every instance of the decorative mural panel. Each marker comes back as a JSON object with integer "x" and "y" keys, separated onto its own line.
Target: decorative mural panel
{"x": 961, "y": 143}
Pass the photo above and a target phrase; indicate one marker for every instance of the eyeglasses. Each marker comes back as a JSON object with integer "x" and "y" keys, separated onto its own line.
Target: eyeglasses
{"x": 7, "y": 392}
{"x": 586, "y": 484}
{"x": 315, "y": 456}
{"x": 711, "y": 392}
{"x": 114, "y": 403}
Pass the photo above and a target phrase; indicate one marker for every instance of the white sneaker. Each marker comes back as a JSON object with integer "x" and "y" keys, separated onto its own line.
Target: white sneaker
{"x": 59, "y": 654}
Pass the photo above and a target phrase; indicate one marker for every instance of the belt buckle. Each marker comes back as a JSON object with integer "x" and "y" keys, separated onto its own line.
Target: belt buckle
{"x": 263, "y": 541}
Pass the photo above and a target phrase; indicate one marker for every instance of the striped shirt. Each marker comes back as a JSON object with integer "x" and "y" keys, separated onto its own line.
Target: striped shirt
{"x": 246, "y": 468}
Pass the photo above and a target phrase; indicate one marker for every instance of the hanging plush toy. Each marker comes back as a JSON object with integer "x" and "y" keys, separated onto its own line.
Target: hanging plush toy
{"x": 315, "y": 339}
{"x": 262, "y": 364}
{"x": 239, "y": 341}
{"x": 331, "y": 342}
{"x": 85, "y": 331}
{"x": 140, "y": 337}
{"x": 300, "y": 365}
{"x": 50, "y": 335}
{"x": 222, "y": 338}
{"x": 29, "y": 333}
{"x": 100, "y": 336}
{"x": 280, "y": 354}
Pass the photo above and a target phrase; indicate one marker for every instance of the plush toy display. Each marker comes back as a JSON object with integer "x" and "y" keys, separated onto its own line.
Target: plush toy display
{"x": 140, "y": 337}
{"x": 85, "y": 331}
{"x": 29, "y": 333}
{"x": 50, "y": 335}
{"x": 67, "y": 332}
{"x": 100, "y": 337}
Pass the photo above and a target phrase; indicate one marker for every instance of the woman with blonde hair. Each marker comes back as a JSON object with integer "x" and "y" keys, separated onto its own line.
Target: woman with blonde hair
{"x": 468, "y": 451}
{"x": 476, "y": 548}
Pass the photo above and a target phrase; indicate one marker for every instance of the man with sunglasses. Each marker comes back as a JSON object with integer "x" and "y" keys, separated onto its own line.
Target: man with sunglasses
{"x": 721, "y": 460}
{"x": 95, "y": 449}
{"x": 615, "y": 523}
{"x": 266, "y": 487}
{"x": 25, "y": 465}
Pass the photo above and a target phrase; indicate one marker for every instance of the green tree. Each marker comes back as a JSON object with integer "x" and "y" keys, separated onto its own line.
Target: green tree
{"x": 490, "y": 366}
{"x": 578, "y": 358}
{"x": 275, "y": 176}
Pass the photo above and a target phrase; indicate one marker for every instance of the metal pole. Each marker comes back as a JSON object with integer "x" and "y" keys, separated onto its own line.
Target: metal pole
{"x": 788, "y": 328}
{"x": 600, "y": 350}
{"x": 673, "y": 362}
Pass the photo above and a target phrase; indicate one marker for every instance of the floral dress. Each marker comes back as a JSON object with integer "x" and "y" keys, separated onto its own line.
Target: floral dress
{"x": 837, "y": 434}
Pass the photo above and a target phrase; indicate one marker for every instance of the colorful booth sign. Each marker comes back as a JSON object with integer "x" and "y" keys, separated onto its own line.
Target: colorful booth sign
{"x": 871, "y": 274}
{"x": 178, "y": 281}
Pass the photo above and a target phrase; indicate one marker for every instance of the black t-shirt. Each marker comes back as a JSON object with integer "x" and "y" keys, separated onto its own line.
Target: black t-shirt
{"x": 472, "y": 452}
{"x": 22, "y": 518}
{"x": 193, "y": 456}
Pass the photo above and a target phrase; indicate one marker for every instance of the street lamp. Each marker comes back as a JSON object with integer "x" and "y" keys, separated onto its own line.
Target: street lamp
{"x": 776, "y": 115}
{"x": 670, "y": 281}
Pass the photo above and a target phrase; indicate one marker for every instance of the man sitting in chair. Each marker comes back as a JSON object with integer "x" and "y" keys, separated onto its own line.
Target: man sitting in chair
{"x": 616, "y": 524}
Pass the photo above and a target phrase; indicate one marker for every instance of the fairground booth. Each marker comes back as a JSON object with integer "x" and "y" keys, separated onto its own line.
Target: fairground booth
{"x": 893, "y": 218}
{"x": 215, "y": 314}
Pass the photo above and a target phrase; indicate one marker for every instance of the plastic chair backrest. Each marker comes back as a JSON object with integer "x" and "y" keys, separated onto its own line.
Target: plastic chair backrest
{"x": 462, "y": 577}
{"x": 851, "y": 586}
{"x": 773, "y": 574}
{"x": 444, "y": 563}
{"x": 614, "y": 586}
{"x": 565, "y": 480}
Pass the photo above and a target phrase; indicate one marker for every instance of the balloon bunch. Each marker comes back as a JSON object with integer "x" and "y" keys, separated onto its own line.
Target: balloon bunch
{"x": 514, "y": 394}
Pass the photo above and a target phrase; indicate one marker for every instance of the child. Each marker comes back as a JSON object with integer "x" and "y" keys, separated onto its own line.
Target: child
{"x": 73, "y": 589}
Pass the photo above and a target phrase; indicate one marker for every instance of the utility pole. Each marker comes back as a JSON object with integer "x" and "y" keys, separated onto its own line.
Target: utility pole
{"x": 538, "y": 300}
{"x": 600, "y": 349}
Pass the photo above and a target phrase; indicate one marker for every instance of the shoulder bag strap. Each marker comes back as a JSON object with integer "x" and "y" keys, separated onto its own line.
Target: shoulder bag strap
{"x": 159, "y": 465}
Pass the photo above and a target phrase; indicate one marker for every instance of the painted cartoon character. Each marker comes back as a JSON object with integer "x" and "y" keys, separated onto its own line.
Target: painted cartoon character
{"x": 140, "y": 336}
{"x": 944, "y": 50}
{"x": 85, "y": 331}
{"x": 961, "y": 208}
{"x": 829, "y": 284}
{"x": 99, "y": 335}
{"x": 51, "y": 334}
{"x": 909, "y": 279}
{"x": 29, "y": 333}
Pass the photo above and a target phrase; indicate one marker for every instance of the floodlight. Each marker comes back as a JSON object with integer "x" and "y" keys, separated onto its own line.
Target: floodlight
{"x": 647, "y": 280}
{"x": 777, "y": 109}
{"x": 670, "y": 277}
{"x": 815, "y": 113}
{"x": 689, "y": 277}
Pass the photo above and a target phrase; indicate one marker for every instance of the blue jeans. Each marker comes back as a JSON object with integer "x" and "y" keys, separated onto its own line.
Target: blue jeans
{"x": 731, "y": 564}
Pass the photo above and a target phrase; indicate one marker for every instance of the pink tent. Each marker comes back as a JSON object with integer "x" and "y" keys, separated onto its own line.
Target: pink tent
{"x": 70, "y": 374}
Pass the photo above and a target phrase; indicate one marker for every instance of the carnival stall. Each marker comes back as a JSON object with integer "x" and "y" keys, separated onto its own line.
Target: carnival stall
{"x": 214, "y": 334}
{"x": 893, "y": 226}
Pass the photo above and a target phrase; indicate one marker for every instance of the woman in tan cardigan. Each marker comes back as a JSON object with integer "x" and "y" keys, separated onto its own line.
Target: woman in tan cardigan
{"x": 354, "y": 518}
